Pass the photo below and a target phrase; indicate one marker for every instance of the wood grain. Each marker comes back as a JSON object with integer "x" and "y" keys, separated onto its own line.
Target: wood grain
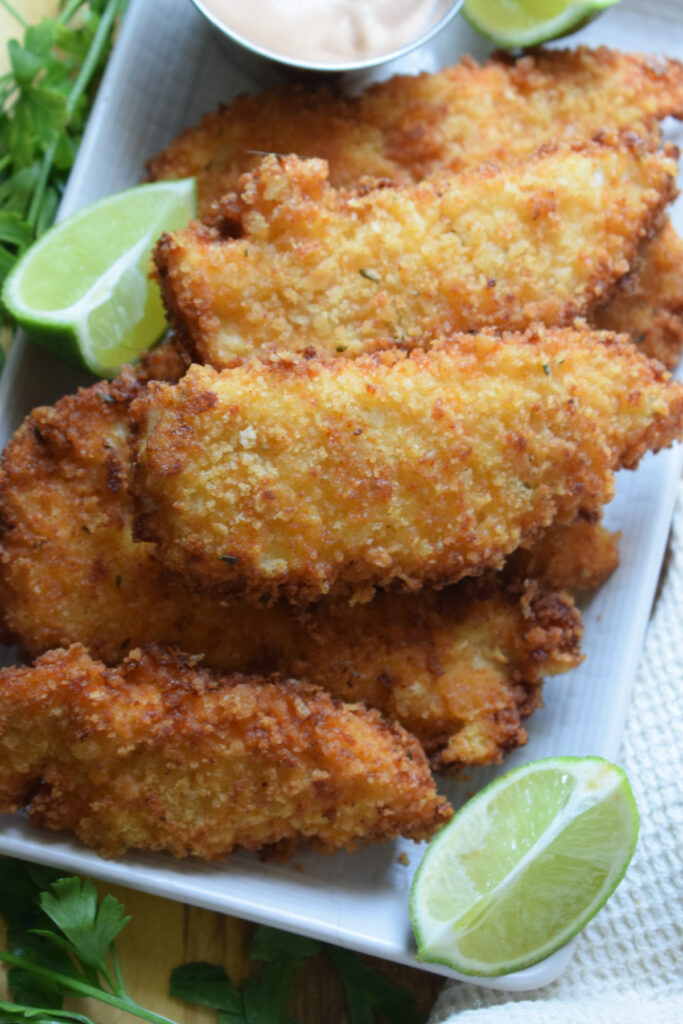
{"x": 164, "y": 934}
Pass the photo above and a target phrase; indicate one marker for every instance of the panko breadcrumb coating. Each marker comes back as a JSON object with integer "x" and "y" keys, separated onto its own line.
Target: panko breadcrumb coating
{"x": 345, "y": 273}
{"x": 461, "y": 668}
{"x": 161, "y": 755}
{"x": 580, "y": 556}
{"x": 457, "y": 119}
{"x": 648, "y": 304}
{"x": 414, "y": 126}
{"x": 302, "y": 477}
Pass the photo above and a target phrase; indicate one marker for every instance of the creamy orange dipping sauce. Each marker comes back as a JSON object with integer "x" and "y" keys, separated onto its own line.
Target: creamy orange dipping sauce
{"x": 326, "y": 31}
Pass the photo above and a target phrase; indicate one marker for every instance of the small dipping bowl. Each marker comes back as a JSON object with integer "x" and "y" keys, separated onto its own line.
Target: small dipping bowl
{"x": 255, "y": 60}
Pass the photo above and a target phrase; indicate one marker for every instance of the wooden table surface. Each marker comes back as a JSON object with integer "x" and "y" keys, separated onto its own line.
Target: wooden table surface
{"x": 163, "y": 933}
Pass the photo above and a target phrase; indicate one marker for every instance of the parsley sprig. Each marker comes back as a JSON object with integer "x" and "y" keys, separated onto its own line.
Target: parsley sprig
{"x": 44, "y": 102}
{"x": 61, "y": 943}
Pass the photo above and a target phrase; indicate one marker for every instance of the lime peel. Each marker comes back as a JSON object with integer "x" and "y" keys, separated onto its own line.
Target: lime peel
{"x": 496, "y": 894}
{"x": 515, "y": 23}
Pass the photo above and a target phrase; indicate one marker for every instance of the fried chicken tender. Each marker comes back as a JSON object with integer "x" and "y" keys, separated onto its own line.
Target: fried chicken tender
{"x": 412, "y": 127}
{"x": 461, "y": 668}
{"x": 649, "y": 303}
{"x": 353, "y": 272}
{"x": 578, "y": 556}
{"x": 303, "y": 477}
{"x": 160, "y": 755}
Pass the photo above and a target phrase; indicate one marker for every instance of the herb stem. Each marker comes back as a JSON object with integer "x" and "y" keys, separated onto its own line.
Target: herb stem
{"x": 86, "y": 72}
{"x": 120, "y": 987}
{"x": 67, "y": 13}
{"x": 15, "y": 14}
{"x": 84, "y": 990}
{"x": 109, "y": 980}
{"x": 96, "y": 50}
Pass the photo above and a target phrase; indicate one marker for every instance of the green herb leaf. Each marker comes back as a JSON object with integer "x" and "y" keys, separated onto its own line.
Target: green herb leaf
{"x": 25, "y": 64}
{"x": 47, "y": 210}
{"x": 21, "y": 141}
{"x": 40, "y": 38}
{"x": 44, "y": 101}
{"x": 14, "y": 229}
{"x": 368, "y": 992}
{"x": 266, "y": 997}
{"x": 48, "y": 113}
{"x": 90, "y": 929}
{"x": 271, "y": 944}
{"x": 208, "y": 985}
{"x": 17, "y": 189}
{"x": 12, "y": 1012}
{"x": 31, "y": 991}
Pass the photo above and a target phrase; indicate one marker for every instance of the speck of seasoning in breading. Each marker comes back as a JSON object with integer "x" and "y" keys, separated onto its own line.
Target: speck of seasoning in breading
{"x": 370, "y": 275}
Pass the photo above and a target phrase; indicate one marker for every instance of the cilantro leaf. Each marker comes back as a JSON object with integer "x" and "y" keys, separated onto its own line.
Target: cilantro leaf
{"x": 48, "y": 112}
{"x": 271, "y": 944}
{"x": 44, "y": 102}
{"x": 266, "y": 997}
{"x": 207, "y": 985}
{"x": 368, "y": 992}
{"x": 14, "y": 229}
{"x": 25, "y": 63}
{"x": 16, "y": 190}
{"x": 40, "y": 38}
{"x": 11, "y": 1013}
{"x": 89, "y": 928}
{"x": 32, "y": 991}
{"x": 21, "y": 884}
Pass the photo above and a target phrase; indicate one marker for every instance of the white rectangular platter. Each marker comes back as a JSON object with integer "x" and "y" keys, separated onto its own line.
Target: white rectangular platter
{"x": 167, "y": 69}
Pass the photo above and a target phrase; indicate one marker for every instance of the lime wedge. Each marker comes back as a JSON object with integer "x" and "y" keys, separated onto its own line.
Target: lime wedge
{"x": 524, "y": 865}
{"x": 512, "y": 23}
{"x": 84, "y": 289}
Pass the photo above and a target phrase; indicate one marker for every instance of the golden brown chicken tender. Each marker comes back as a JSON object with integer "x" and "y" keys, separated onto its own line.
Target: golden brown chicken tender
{"x": 161, "y": 755}
{"x": 461, "y": 668}
{"x": 414, "y": 126}
{"x": 303, "y": 477}
{"x": 579, "y": 556}
{"x": 313, "y": 268}
{"x": 649, "y": 303}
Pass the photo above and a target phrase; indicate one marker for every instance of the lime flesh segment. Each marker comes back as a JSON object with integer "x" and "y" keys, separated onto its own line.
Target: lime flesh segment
{"x": 512, "y": 23}
{"x": 524, "y": 865}
{"x": 84, "y": 290}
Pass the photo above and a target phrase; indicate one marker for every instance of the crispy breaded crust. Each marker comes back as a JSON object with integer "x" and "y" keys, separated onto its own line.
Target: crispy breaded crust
{"x": 649, "y": 303}
{"x": 351, "y": 272}
{"x": 302, "y": 477}
{"x": 578, "y": 556}
{"x": 461, "y": 668}
{"x": 161, "y": 755}
{"x": 413, "y": 126}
